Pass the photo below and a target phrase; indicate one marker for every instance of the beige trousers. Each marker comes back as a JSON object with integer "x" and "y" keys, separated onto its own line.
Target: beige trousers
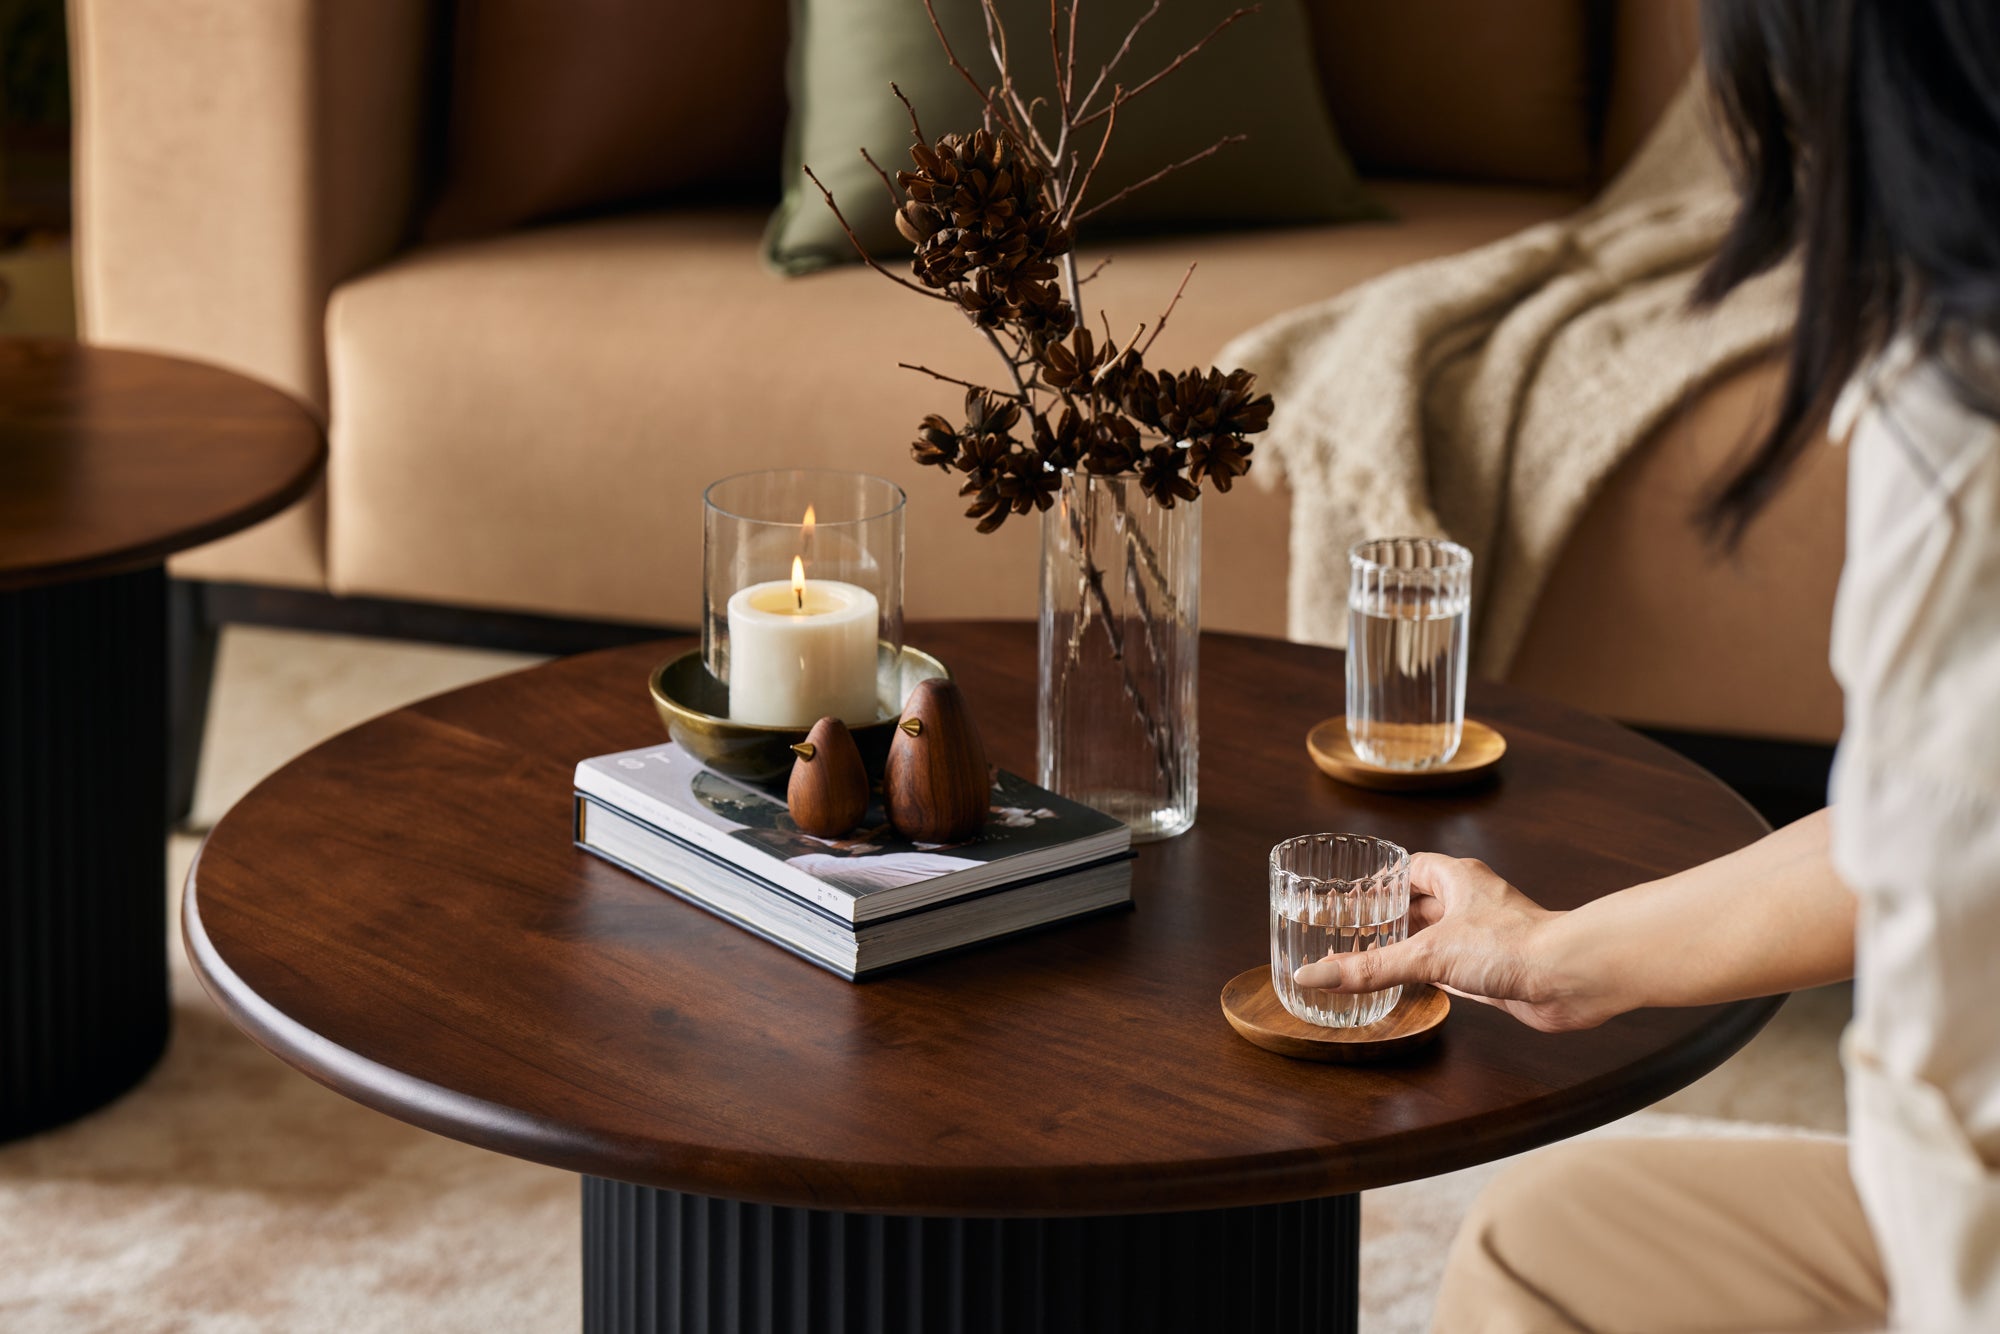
{"x": 1658, "y": 1235}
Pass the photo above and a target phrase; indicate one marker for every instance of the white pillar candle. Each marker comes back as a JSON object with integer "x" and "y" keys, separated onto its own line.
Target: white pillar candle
{"x": 802, "y": 650}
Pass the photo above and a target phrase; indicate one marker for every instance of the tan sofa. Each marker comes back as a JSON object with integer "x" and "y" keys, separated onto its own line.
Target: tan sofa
{"x": 524, "y": 421}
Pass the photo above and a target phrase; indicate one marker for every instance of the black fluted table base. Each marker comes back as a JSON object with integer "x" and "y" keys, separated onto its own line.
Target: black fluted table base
{"x": 83, "y": 953}
{"x": 662, "y": 1262}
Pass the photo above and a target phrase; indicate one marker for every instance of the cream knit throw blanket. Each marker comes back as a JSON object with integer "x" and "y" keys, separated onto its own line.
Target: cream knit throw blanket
{"x": 1486, "y": 396}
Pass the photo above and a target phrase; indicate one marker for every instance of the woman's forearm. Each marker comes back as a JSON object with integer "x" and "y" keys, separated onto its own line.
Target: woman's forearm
{"x": 1767, "y": 918}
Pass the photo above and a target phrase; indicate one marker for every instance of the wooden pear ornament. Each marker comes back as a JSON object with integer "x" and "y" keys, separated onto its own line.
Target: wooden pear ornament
{"x": 828, "y": 792}
{"x": 936, "y": 783}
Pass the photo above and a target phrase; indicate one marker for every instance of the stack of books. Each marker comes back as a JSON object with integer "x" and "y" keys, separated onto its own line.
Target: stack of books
{"x": 860, "y": 904}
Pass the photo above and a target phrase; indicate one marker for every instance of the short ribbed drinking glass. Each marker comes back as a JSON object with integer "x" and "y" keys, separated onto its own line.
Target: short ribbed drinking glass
{"x": 1335, "y": 894}
{"x": 1409, "y": 601}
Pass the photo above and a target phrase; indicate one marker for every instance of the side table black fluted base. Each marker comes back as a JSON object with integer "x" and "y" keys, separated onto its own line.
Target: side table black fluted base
{"x": 663, "y": 1262}
{"x": 83, "y": 952}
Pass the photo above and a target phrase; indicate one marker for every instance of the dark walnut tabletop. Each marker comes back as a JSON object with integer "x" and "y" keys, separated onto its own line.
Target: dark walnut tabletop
{"x": 400, "y": 914}
{"x": 112, "y": 460}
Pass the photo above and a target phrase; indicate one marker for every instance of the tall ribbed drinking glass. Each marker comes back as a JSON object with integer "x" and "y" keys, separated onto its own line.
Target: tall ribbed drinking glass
{"x": 1335, "y": 894}
{"x": 1409, "y": 603}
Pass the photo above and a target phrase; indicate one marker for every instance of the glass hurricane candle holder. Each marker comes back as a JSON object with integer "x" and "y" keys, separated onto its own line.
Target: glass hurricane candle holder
{"x": 802, "y": 594}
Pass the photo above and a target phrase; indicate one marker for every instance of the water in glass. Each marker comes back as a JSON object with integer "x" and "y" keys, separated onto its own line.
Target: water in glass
{"x": 1408, "y": 614}
{"x": 1335, "y": 894}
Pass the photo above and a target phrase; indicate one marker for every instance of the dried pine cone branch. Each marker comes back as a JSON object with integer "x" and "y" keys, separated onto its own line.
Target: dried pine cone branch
{"x": 989, "y": 216}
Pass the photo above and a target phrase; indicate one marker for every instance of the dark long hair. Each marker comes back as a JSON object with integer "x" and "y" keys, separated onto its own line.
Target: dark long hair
{"x": 1866, "y": 135}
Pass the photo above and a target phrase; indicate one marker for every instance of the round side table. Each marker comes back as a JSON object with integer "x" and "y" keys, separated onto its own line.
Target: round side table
{"x": 109, "y": 462}
{"x": 1054, "y": 1133}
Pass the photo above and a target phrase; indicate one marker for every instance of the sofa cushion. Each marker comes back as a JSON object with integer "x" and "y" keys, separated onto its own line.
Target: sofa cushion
{"x": 288, "y": 550}
{"x": 1256, "y": 79}
{"x": 1645, "y": 620}
{"x": 561, "y": 108}
{"x": 529, "y": 421}
{"x": 1653, "y": 45}
{"x": 1461, "y": 88}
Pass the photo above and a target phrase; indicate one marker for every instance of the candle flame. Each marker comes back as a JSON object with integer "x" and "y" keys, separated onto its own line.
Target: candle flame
{"x": 799, "y": 580}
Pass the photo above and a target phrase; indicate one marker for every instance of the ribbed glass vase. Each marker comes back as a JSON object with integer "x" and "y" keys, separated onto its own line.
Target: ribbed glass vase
{"x": 1120, "y": 628}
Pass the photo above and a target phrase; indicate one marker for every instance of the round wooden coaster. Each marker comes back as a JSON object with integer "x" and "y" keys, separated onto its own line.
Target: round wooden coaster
{"x": 1479, "y": 749}
{"x": 1253, "y": 1010}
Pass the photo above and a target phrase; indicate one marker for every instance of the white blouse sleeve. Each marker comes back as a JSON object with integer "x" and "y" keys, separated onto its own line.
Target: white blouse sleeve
{"x": 1916, "y": 834}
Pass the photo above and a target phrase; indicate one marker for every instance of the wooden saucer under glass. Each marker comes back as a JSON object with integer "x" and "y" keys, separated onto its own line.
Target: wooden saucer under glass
{"x": 1253, "y": 1010}
{"x": 1479, "y": 750}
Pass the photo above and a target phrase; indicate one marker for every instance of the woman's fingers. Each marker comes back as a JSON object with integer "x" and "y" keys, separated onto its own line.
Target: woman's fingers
{"x": 1434, "y": 881}
{"x": 1448, "y": 878}
{"x": 1468, "y": 932}
{"x": 1428, "y": 872}
{"x": 1372, "y": 970}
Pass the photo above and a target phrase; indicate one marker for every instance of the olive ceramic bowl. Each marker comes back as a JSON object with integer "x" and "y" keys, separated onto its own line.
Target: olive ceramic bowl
{"x": 695, "y": 706}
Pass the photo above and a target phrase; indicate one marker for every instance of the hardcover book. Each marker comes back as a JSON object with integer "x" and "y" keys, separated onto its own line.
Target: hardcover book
{"x": 855, "y": 904}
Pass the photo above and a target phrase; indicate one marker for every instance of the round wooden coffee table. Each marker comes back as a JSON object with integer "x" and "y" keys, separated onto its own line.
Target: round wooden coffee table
{"x": 109, "y": 461}
{"x": 1059, "y": 1132}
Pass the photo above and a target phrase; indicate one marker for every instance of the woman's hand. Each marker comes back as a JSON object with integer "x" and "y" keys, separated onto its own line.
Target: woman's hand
{"x": 1770, "y": 917}
{"x": 1476, "y": 936}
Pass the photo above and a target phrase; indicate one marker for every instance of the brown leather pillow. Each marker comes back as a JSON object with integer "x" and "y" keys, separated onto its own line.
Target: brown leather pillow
{"x": 1480, "y": 89}
{"x": 558, "y": 108}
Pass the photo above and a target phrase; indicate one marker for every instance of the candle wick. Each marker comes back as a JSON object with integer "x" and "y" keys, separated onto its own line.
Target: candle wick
{"x": 800, "y": 594}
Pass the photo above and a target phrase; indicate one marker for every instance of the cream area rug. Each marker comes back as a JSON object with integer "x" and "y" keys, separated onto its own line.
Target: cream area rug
{"x": 229, "y": 1194}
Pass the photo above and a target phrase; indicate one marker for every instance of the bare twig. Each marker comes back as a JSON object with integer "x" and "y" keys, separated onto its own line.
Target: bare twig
{"x": 1056, "y": 57}
{"x": 1149, "y": 624}
{"x": 985, "y": 93}
{"x": 1092, "y": 579}
{"x": 895, "y": 200}
{"x": 1130, "y": 525}
{"x": 1124, "y": 49}
{"x": 996, "y": 46}
{"x": 1075, "y": 286}
{"x": 1013, "y": 369}
{"x": 916, "y": 127}
{"x": 1021, "y": 355}
{"x": 1080, "y": 622}
{"x": 1069, "y": 72}
{"x": 949, "y": 379}
{"x": 995, "y": 114}
{"x": 1083, "y": 187}
{"x": 1022, "y": 113}
{"x": 1173, "y": 64}
{"x": 996, "y": 39}
{"x": 1165, "y": 314}
{"x": 1101, "y": 266}
{"x": 1167, "y": 170}
{"x": 862, "y": 250}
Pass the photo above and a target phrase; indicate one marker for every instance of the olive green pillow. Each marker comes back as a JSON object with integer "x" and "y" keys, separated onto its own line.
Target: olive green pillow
{"x": 1257, "y": 78}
